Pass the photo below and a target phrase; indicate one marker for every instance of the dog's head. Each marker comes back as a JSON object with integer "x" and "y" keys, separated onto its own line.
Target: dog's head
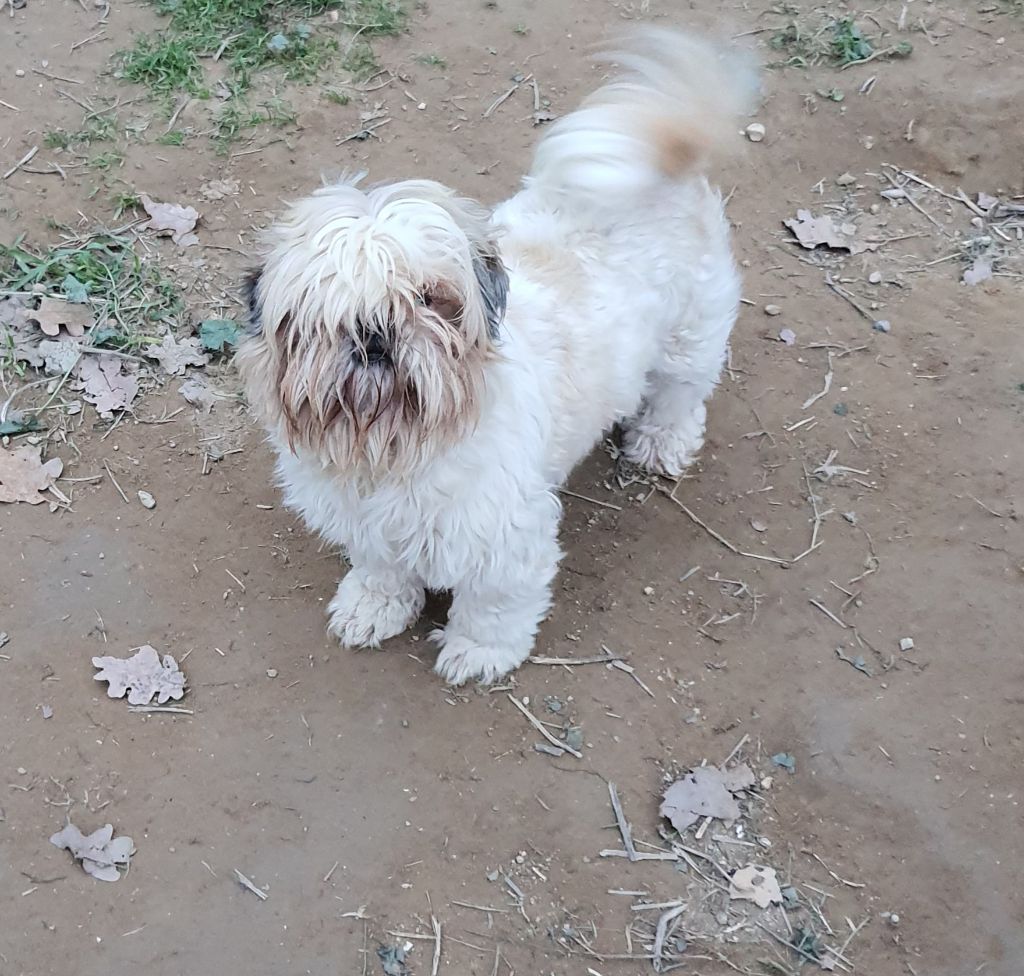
{"x": 372, "y": 320}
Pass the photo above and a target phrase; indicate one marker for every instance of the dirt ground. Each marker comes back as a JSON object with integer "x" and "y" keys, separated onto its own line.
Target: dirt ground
{"x": 364, "y": 797}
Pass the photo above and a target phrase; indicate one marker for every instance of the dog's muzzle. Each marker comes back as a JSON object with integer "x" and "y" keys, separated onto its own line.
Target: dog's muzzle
{"x": 375, "y": 349}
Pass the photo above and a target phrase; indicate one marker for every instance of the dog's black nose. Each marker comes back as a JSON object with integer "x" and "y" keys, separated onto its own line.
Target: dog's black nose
{"x": 376, "y": 348}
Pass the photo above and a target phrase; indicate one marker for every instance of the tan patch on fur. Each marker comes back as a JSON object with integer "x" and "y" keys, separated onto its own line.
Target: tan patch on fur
{"x": 677, "y": 150}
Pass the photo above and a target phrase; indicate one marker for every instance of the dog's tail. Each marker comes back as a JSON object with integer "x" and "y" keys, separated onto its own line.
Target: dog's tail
{"x": 673, "y": 105}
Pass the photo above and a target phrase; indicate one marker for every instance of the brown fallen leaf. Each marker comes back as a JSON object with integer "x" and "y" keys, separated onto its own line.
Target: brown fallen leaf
{"x": 175, "y": 354}
{"x": 100, "y": 852}
{"x": 23, "y": 475}
{"x": 55, "y": 312}
{"x": 814, "y": 232}
{"x": 171, "y": 218}
{"x": 757, "y": 884}
{"x": 142, "y": 675}
{"x": 105, "y": 384}
{"x": 706, "y": 791}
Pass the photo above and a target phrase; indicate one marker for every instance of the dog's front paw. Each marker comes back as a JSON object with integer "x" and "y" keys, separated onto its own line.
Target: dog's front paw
{"x": 366, "y": 611}
{"x": 462, "y": 659}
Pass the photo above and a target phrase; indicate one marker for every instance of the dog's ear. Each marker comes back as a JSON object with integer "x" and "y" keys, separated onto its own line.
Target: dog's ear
{"x": 251, "y": 298}
{"x": 492, "y": 279}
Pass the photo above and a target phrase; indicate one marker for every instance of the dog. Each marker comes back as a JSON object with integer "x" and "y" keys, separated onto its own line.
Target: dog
{"x": 430, "y": 372}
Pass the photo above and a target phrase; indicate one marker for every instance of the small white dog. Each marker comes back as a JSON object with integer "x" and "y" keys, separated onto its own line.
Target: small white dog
{"x": 430, "y": 373}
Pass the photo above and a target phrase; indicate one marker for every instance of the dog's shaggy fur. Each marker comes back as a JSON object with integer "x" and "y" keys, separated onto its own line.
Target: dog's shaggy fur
{"x": 430, "y": 373}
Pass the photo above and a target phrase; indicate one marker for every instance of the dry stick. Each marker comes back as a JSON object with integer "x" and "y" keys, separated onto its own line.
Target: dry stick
{"x": 248, "y": 885}
{"x": 480, "y": 908}
{"x": 570, "y": 661}
{"x": 436, "y": 925}
{"x": 620, "y": 819}
{"x": 641, "y": 855}
{"x": 662, "y": 932}
{"x": 84, "y": 41}
{"x": 161, "y": 708}
{"x": 502, "y": 98}
{"x": 46, "y": 74}
{"x": 843, "y": 294}
{"x": 13, "y": 108}
{"x": 735, "y": 749}
{"x": 829, "y": 375}
{"x": 543, "y": 731}
{"x": 828, "y": 613}
{"x": 849, "y": 884}
{"x": 714, "y": 535}
{"x": 587, "y": 498}
{"x": 120, "y": 490}
{"x": 21, "y": 162}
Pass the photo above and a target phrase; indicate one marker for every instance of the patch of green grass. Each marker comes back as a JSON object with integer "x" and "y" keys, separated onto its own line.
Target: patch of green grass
{"x": 250, "y": 36}
{"x": 835, "y": 41}
{"x": 126, "y": 200}
{"x": 849, "y": 43}
{"x": 521, "y": 29}
{"x": 57, "y": 139}
{"x": 164, "y": 63}
{"x": 129, "y": 294}
{"x": 360, "y": 61}
{"x": 235, "y": 118}
{"x": 336, "y": 97}
{"x": 106, "y": 161}
{"x": 173, "y": 138}
{"x": 432, "y": 60}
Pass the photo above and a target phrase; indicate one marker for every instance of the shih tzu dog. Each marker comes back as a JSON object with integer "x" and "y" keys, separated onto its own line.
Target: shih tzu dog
{"x": 430, "y": 372}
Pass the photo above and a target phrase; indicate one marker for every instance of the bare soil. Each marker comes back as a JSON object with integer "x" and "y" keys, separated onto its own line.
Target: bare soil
{"x": 300, "y": 757}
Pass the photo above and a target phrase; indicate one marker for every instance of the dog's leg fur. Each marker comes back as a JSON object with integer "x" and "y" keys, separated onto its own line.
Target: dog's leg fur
{"x": 668, "y": 431}
{"x": 372, "y": 605}
{"x": 495, "y": 615}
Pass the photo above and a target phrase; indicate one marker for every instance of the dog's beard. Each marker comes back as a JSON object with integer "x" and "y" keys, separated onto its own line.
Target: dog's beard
{"x": 372, "y": 417}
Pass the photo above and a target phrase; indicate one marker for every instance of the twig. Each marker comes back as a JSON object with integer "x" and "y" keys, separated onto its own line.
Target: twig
{"x": 620, "y": 665}
{"x": 46, "y": 74}
{"x": 661, "y": 933}
{"x": 735, "y": 749}
{"x": 84, "y": 41}
{"x": 21, "y": 162}
{"x": 480, "y": 908}
{"x": 436, "y": 925}
{"x": 715, "y": 535}
{"x": 620, "y": 819}
{"x": 247, "y": 884}
{"x": 13, "y": 108}
{"x": 845, "y": 295}
{"x": 587, "y": 498}
{"x": 507, "y": 95}
{"x": 568, "y": 662}
{"x": 787, "y": 943}
{"x": 161, "y": 708}
{"x": 543, "y": 731}
{"x": 849, "y": 884}
{"x": 363, "y": 133}
{"x": 641, "y": 855}
{"x": 828, "y": 613}
{"x": 120, "y": 490}
{"x": 991, "y": 511}
{"x": 828, "y": 384}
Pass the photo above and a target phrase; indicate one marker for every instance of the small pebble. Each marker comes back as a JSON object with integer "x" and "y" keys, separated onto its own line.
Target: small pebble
{"x": 648, "y": 591}
{"x": 148, "y": 501}
{"x": 875, "y": 278}
{"x": 847, "y": 179}
{"x": 788, "y": 336}
{"x": 271, "y": 672}
{"x": 882, "y": 325}
{"x": 772, "y": 310}
{"x": 894, "y": 919}
{"x": 47, "y": 711}
{"x": 755, "y": 132}
{"x": 906, "y": 643}
{"x": 20, "y": 73}
{"x": 758, "y": 526}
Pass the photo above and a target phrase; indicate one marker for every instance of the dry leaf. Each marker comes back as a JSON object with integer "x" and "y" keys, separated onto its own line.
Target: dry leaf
{"x": 707, "y": 791}
{"x": 813, "y": 232}
{"x": 142, "y": 675}
{"x": 756, "y": 884}
{"x": 105, "y": 385}
{"x": 23, "y": 475}
{"x": 219, "y": 189}
{"x": 172, "y": 219}
{"x": 174, "y": 355}
{"x": 55, "y": 312}
{"x": 978, "y": 272}
{"x": 100, "y": 852}
{"x": 59, "y": 356}
{"x": 196, "y": 392}
{"x": 12, "y": 311}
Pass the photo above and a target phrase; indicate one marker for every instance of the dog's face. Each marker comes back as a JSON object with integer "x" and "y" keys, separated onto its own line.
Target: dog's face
{"x": 373, "y": 319}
